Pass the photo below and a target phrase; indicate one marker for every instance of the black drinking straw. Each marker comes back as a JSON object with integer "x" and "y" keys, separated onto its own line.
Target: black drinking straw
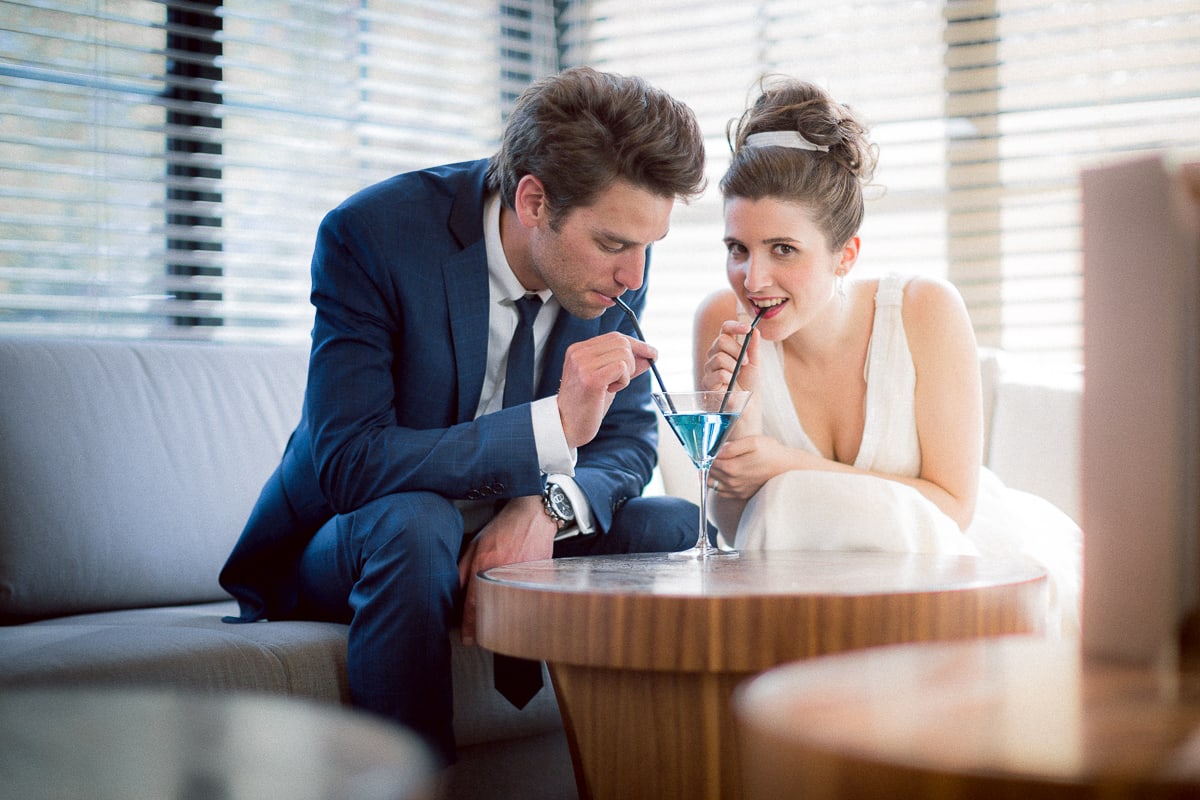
{"x": 638, "y": 330}
{"x": 737, "y": 366}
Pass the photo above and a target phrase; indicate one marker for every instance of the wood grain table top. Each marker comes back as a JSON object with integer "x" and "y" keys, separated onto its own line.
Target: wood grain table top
{"x": 977, "y": 718}
{"x": 744, "y": 614}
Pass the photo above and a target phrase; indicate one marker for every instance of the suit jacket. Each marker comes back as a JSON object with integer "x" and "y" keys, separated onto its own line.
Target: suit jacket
{"x": 399, "y": 350}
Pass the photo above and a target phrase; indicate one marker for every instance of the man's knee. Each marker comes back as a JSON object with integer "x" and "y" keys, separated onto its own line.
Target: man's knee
{"x": 424, "y": 524}
{"x": 408, "y": 562}
{"x": 655, "y": 525}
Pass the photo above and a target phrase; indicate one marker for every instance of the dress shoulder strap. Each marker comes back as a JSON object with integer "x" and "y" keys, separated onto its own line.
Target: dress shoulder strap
{"x": 891, "y": 289}
{"x": 889, "y": 441}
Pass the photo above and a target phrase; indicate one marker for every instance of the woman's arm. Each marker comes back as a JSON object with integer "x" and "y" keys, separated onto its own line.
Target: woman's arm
{"x": 948, "y": 405}
{"x": 949, "y": 401}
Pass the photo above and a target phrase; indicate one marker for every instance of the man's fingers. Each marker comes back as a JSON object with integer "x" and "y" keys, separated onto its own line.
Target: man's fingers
{"x": 641, "y": 350}
{"x": 466, "y": 566}
{"x": 468, "y": 618}
{"x": 465, "y": 563}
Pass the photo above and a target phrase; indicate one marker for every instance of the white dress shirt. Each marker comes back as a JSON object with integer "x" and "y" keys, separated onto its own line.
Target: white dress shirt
{"x": 555, "y": 458}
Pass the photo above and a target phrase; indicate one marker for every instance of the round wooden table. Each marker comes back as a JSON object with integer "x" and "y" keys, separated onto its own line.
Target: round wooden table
{"x": 1012, "y": 717}
{"x": 645, "y": 650}
{"x": 129, "y": 744}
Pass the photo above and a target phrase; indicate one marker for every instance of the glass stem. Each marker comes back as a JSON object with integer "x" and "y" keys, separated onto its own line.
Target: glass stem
{"x": 702, "y": 539}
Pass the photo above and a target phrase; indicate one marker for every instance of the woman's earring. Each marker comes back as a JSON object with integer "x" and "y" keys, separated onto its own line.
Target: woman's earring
{"x": 841, "y": 288}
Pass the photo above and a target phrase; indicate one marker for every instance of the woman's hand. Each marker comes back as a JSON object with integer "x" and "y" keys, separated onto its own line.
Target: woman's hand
{"x": 745, "y": 464}
{"x": 721, "y": 358}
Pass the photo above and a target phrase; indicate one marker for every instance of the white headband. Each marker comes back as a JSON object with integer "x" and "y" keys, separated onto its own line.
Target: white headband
{"x": 783, "y": 139}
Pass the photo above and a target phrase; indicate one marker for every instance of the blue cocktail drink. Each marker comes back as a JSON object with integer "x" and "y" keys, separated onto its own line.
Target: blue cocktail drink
{"x": 701, "y": 421}
{"x": 701, "y": 434}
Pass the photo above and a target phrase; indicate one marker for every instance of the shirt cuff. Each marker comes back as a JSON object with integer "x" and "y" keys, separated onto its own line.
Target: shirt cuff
{"x": 557, "y": 460}
{"x": 554, "y": 457}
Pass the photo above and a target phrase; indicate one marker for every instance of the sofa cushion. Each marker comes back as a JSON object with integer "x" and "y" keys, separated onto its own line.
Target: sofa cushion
{"x": 157, "y": 450}
{"x": 186, "y": 647}
{"x": 189, "y": 647}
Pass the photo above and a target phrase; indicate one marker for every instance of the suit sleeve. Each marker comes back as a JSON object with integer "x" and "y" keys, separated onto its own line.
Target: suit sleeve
{"x": 368, "y": 340}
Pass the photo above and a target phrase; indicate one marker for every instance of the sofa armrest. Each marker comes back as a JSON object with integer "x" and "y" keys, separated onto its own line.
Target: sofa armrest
{"x": 1034, "y": 438}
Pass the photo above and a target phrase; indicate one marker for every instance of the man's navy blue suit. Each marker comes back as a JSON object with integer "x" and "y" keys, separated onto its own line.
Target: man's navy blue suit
{"x": 357, "y": 522}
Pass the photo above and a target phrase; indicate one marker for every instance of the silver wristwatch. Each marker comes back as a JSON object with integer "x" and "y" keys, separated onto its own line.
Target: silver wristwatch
{"x": 558, "y": 505}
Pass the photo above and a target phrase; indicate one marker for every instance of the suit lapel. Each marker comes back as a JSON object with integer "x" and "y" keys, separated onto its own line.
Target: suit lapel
{"x": 466, "y": 281}
{"x": 467, "y": 303}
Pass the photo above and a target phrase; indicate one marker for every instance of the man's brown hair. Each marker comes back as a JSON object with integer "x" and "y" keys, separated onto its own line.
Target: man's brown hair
{"x": 580, "y": 131}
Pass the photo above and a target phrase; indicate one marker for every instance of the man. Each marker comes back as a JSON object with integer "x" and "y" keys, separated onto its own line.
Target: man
{"x": 410, "y": 470}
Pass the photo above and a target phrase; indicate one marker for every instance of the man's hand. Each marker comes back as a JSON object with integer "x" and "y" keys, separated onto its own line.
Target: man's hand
{"x": 522, "y": 531}
{"x": 593, "y": 372}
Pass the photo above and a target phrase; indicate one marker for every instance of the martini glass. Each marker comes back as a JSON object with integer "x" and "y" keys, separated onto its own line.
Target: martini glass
{"x": 701, "y": 421}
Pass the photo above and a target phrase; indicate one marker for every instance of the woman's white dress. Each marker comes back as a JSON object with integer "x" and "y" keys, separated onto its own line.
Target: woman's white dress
{"x": 814, "y": 510}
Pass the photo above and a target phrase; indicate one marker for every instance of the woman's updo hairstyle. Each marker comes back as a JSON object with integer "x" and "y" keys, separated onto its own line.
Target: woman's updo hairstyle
{"x": 830, "y": 184}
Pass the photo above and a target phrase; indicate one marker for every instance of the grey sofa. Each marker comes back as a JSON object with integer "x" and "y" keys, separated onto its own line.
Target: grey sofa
{"x": 127, "y": 470}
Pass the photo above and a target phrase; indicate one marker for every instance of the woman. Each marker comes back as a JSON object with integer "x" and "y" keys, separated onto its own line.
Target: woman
{"x": 865, "y": 431}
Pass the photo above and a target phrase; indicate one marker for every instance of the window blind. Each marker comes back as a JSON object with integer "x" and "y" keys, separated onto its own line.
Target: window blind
{"x": 166, "y": 164}
{"x": 984, "y": 111}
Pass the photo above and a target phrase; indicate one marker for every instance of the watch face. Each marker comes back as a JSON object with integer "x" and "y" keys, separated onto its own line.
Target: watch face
{"x": 560, "y": 503}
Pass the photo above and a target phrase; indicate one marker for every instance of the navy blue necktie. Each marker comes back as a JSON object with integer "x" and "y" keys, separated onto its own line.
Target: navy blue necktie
{"x": 518, "y": 378}
{"x": 519, "y": 679}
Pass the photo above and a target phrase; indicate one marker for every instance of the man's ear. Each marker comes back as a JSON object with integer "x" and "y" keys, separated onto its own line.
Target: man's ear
{"x": 530, "y": 202}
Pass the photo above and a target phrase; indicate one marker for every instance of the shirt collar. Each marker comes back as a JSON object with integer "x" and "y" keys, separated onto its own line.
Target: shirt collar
{"x": 502, "y": 281}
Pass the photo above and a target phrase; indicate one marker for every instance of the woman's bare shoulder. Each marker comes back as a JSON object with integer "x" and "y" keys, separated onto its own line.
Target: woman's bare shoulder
{"x": 935, "y": 316}
{"x": 931, "y": 300}
{"x": 716, "y": 308}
